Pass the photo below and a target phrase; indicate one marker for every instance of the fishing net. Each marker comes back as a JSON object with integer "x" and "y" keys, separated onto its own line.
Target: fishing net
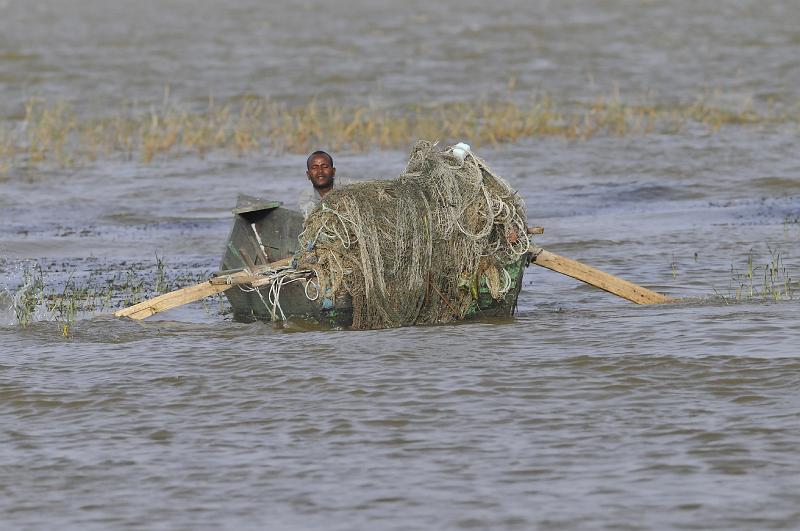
{"x": 411, "y": 250}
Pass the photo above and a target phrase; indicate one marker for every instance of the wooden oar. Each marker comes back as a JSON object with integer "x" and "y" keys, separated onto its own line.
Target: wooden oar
{"x": 193, "y": 293}
{"x": 595, "y": 277}
{"x": 541, "y": 257}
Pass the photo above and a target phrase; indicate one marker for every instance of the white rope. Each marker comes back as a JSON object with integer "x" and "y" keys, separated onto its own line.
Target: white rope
{"x": 506, "y": 281}
{"x": 260, "y": 296}
{"x": 276, "y": 281}
{"x": 316, "y": 287}
{"x": 274, "y": 297}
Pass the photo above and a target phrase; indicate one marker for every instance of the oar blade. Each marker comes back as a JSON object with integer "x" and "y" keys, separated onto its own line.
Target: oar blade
{"x": 595, "y": 277}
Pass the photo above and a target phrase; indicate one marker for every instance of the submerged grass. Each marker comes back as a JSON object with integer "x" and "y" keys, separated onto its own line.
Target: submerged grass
{"x": 47, "y": 295}
{"x": 54, "y": 134}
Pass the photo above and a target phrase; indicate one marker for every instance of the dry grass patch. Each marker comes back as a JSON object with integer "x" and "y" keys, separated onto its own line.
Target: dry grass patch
{"x": 54, "y": 134}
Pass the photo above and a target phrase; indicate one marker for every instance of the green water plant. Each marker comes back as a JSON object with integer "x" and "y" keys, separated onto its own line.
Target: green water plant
{"x": 161, "y": 285}
{"x": 766, "y": 281}
{"x": 66, "y": 297}
{"x": 30, "y": 294}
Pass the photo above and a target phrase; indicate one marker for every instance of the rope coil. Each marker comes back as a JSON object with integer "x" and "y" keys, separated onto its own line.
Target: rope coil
{"x": 384, "y": 242}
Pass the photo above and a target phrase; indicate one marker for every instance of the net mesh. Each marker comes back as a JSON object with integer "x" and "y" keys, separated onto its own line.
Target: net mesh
{"x": 412, "y": 250}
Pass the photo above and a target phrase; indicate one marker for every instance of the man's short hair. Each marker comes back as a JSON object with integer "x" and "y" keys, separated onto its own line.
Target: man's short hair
{"x": 308, "y": 160}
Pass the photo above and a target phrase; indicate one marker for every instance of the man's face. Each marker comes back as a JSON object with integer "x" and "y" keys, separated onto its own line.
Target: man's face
{"x": 320, "y": 172}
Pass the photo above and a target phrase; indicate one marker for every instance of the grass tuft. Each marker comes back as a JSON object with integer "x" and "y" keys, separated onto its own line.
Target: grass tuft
{"x": 767, "y": 281}
{"x": 46, "y": 295}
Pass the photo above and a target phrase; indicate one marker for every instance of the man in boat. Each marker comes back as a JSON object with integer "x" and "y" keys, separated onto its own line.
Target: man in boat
{"x": 321, "y": 172}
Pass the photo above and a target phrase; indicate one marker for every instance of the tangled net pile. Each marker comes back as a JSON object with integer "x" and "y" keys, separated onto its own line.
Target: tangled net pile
{"x": 412, "y": 250}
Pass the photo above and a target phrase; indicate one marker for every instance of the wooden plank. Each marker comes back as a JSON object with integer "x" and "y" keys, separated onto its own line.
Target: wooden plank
{"x": 234, "y": 252}
{"x": 243, "y": 277}
{"x": 251, "y": 265}
{"x": 172, "y": 299}
{"x": 595, "y": 277}
{"x": 189, "y": 294}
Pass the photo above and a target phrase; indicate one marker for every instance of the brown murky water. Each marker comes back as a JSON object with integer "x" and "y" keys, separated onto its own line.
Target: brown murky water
{"x": 582, "y": 412}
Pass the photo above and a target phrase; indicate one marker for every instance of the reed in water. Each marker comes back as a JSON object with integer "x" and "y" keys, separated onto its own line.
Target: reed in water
{"x": 63, "y": 294}
{"x": 54, "y": 134}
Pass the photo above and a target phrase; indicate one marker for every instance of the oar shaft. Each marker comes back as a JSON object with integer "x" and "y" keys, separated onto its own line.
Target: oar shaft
{"x": 172, "y": 300}
{"x": 595, "y": 277}
{"x": 189, "y": 294}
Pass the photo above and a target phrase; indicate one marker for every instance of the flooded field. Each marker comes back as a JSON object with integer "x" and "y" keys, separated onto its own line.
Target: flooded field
{"x": 582, "y": 412}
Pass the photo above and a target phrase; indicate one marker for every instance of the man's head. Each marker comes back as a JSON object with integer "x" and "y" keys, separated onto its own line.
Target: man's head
{"x": 320, "y": 171}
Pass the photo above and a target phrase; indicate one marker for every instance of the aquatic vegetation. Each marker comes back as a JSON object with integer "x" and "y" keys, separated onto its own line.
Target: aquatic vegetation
{"x": 766, "y": 281}
{"x": 29, "y": 295}
{"x": 55, "y": 134}
{"x": 46, "y": 295}
{"x": 162, "y": 285}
